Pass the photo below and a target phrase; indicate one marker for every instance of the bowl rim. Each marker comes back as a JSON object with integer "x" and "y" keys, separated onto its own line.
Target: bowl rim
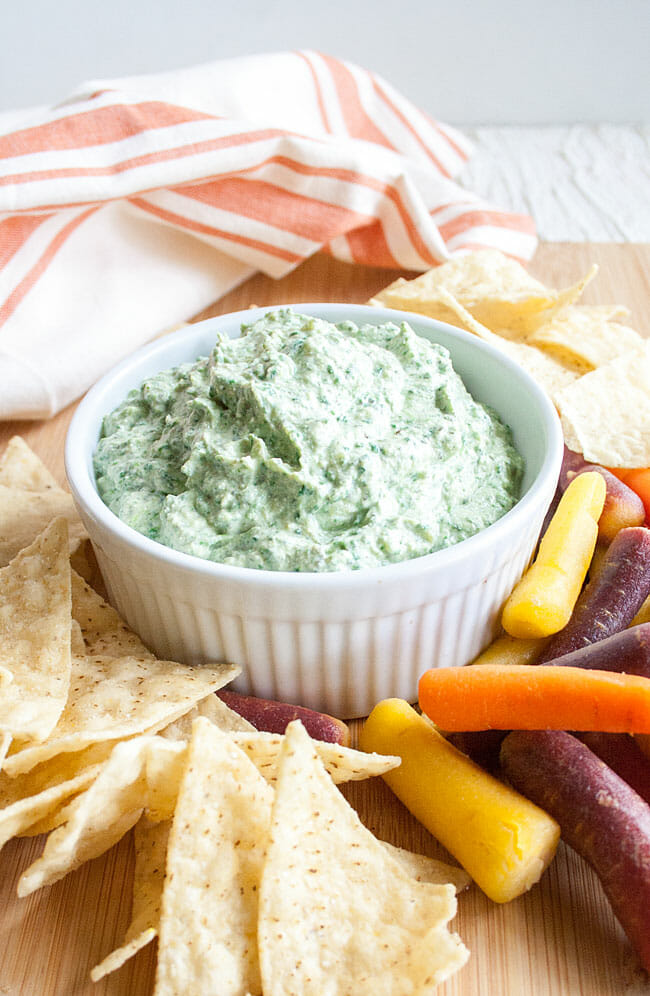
{"x": 79, "y": 446}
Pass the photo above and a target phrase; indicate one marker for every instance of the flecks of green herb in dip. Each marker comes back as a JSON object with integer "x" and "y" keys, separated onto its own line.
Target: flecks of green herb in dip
{"x": 306, "y": 446}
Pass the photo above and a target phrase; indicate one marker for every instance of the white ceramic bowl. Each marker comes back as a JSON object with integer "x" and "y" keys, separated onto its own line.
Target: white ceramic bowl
{"x": 336, "y": 641}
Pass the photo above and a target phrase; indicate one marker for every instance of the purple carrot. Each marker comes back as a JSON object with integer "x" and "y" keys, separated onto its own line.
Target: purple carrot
{"x": 611, "y": 599}
{"x": 600, "y": 816}
{"x": 623, "y": 507}
{"x": 625, "y": 652}
{"x": 274, "y": 717}
{"x": 572, "y": 464}
{"x": 624, "y": 756}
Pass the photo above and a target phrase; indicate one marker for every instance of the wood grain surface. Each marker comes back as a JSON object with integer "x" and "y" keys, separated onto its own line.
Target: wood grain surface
{"x": 560, "y": 939}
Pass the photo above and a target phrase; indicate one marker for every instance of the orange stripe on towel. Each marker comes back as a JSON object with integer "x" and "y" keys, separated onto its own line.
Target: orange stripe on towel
{"x": 26, "y": 284}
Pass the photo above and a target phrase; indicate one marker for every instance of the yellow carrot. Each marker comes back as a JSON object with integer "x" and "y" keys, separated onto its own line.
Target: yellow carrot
{"x": 600, "y": 553}
{"x": 643, "y": 615}
{"x": 542, "y": 603}
{"x": 500, "y": 838}
{"x": 508, "y": 649}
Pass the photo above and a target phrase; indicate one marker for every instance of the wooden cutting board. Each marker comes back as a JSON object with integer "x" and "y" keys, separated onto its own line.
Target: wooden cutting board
{"x": 560, "y": 939}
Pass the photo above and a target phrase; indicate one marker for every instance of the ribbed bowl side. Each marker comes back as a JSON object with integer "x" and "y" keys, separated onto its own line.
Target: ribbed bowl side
{"x": 338, "y": 666}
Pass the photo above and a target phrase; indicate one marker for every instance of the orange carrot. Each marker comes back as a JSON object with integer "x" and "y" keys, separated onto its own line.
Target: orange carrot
{"x": 528, "y": 697}
{"x": 638, "y": 480}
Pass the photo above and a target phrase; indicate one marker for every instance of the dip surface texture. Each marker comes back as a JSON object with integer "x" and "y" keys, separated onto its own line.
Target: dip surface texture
{"x": 306, "y": 446}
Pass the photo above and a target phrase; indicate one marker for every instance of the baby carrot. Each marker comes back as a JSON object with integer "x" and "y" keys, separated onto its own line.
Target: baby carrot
{"x": 612, "y": 598}
{"x": 542, "y": 603}
{"x": 502, "y": 840}
{"x": 639, "y": 481}
{"x": 601, "y": 817}
{"x": 643, "y": 615}
{"x": 508, "y": 650}
{"x": 622, "y": 508}
{"x": 529, "y": 697}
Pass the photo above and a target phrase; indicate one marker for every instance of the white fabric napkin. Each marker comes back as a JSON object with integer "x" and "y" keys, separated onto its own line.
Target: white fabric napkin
{"x": 138, "y": 202}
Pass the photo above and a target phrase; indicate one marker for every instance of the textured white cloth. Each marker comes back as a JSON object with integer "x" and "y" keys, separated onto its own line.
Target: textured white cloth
{"x": 139, "y": 201}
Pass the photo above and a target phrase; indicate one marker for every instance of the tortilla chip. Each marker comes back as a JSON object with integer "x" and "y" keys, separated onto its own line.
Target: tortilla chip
{"x": 343, "y": 764}
{"x": 104, "y": 632}
{"x": 52, "y": 773}
{"x": 23, "y": 814}
{"x": 59, "y": 779}
{"x": 35, "y": 636}
{"x": 118, "y": 697}
{"x": 604, "y": 312}
{"x": 163, "y": 785}
{"x": 337, "y": 912}
{"x": 491, "y": 286}
{"x": 164, "y": 772}
{"x": 495, "y": 289}
{"x": 101, "y": 815}
{"x": 5, "y": 742}
{"x": 54, "y": 817}
{"x": 525, "y": 325}
{"x": 151, "y": 840}
{"x": 25, "y": 514}
{"x": 606, "y": 413}
{"x": 216, "y": 711}
{"x": 551, "y": 374}
{"x": 77, "y": 645}
{"x": 263, "y": 749}
{"x": 548, "y": 372}
{"x": 577, "y": 335}
{"x": 208, "y": 922}
{"x": 425, "y": 869}
{"x": 21, "y": 468}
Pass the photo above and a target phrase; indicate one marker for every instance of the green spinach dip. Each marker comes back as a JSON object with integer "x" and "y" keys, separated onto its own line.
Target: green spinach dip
{"x": 306, "y": 446}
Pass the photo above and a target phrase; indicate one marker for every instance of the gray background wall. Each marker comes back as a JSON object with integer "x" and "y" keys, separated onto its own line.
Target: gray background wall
{"x": 464, "y": 61}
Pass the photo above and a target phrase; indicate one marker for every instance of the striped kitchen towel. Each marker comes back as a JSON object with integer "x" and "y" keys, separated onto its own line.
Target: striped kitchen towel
{"x": 138, "y": 202}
